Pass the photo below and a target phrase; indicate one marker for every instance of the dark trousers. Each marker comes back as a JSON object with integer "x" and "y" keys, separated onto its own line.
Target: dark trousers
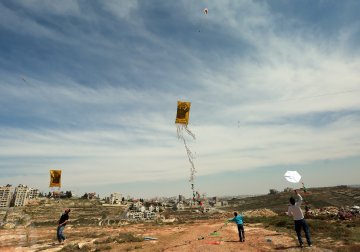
{"x": 302, "y": 224}
{"x": 241, "y": 231}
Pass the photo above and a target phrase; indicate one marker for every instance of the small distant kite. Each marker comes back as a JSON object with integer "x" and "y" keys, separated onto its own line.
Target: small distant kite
{"x": 22, "y": 77}
{"x": 55, "y": 178}
{"x": 205, "y": 12}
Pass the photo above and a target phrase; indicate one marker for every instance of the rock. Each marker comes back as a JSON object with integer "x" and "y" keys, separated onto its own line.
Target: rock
{"x": 80, "y": 245}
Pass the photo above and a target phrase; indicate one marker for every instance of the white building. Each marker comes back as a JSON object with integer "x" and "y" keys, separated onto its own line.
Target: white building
{"x": 150, "y": 215}
{"x": 141, "y": 208}
{"x": 114, "y": 198}
{"x": 193, "y": 203}
{"x": 178, "y": 206}
{"x": 217, "y": 204}
{"x": 136, "y": 204}
{"x": 5, "y": 195}
{"x": 20, "y": 195}
{"x": 153, "y": 208}
{"x": 136, "y": 215}
{"x": 33, "y": 193}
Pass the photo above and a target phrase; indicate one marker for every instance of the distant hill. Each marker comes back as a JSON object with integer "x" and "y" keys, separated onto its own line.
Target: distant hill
{"x": 316, "y": 198}
{"x": 357, "y": 186}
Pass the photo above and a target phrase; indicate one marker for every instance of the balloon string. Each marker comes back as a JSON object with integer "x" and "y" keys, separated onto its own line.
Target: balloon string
{"x": 203, "y": 23}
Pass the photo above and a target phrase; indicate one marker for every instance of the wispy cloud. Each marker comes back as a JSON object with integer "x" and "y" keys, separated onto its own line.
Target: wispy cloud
{"x": 103, "y": 92}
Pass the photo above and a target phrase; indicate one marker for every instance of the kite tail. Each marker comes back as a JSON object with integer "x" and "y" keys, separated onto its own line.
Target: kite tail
{"x": 180, "y": 131}
{"x": 180, "y": 134}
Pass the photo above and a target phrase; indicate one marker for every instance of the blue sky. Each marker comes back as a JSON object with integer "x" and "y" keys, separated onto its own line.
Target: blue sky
{"x": 105, "y": 78}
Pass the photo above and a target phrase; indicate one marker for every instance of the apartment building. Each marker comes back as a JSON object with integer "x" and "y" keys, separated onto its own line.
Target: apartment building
{"x": 5, "y": 195}
{"x": 33, "y": 193}
{"x": 20, "y": 195}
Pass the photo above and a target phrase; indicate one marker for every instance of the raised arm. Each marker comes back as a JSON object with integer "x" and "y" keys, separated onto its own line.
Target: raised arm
{"x": 300, "y": 199}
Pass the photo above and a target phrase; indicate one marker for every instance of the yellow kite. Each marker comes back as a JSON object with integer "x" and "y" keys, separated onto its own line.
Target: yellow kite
{"x": 55, "y": 178}
{"x": 183, "y": 110}
{"x": 182, "y": 121}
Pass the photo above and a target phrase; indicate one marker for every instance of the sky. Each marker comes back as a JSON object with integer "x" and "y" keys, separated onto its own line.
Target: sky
{"x": 105, "y": 77}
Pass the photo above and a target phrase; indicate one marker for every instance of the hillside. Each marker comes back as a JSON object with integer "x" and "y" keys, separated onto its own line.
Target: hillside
{"x": 316, "y": 197}
{"x": 99, "y": 228}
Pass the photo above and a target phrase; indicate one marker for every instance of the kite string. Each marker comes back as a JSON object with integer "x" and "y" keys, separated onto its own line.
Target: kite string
{"x": 203, "y": 237}
{"x": 277, "y": 241}
{"x": 22, "y": 76}
{"x": 203, "y": 23}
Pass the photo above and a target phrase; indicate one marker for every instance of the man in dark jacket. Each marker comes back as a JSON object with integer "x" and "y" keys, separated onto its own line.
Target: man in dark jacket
{"x": 62, "y": 223}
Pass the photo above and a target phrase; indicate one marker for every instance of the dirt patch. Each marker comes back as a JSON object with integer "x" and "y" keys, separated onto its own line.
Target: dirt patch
{"x": 259, "y": 212}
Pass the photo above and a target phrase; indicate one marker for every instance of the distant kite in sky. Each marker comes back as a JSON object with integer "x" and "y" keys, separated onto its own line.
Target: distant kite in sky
{"x": 205, "y": 12}
{"x": 22, "y": 76}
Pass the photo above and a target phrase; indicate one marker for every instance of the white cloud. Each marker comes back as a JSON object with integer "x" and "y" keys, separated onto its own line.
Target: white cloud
{"x": 112, "y": 134}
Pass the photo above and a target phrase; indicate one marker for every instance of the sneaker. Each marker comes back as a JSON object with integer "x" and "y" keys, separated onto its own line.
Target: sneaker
{"x": 63, "y": 242}
{"x": 310, "y": 245}
{"x": 240, "y": 240}
{"x": 243, "y": 240}
{"x": 302, "y": 245}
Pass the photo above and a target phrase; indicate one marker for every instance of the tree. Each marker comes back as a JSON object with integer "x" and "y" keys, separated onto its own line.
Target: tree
{"x": 147, "y": 204}
{"x": 123, "y": 199}
{"x": 85, "y": 196}
{"x": 41, "y": 194}
{"x": 68, "y": 194}
{"x": 160, "y": 210}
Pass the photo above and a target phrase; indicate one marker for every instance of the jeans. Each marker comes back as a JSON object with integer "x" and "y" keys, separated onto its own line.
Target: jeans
{"x": 298, "y": 225}
{"x": 241, "y": 230}
{"x": 60, "y": 235}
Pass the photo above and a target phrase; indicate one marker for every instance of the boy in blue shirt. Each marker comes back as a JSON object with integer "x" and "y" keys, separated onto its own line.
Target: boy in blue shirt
{"x": 239, "y": 222}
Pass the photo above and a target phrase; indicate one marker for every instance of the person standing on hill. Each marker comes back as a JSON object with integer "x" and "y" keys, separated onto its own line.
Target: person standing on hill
{"x": 62, "y": 223}
{"x": 239, "y": 223}
{"x": 295, "y": 210}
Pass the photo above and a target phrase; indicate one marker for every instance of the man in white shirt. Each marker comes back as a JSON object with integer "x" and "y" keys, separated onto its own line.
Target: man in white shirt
{"x": 296, "y": 211}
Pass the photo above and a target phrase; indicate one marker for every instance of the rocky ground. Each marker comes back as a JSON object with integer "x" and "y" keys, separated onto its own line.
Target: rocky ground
{"x": 93, "y": 227}
{"x": 172, "y": 235}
